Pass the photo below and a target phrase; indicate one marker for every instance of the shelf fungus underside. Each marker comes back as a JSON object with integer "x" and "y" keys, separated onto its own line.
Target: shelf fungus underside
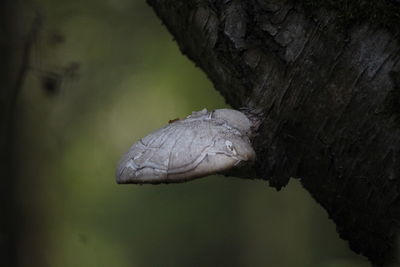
{"x": 204, "y": 143}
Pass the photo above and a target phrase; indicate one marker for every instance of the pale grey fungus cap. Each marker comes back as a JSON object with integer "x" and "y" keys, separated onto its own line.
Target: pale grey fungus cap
{"x": 204, "y": 143}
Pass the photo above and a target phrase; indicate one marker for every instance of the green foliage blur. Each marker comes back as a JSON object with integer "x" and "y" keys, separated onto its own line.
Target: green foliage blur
{"x": 104, "y": 74}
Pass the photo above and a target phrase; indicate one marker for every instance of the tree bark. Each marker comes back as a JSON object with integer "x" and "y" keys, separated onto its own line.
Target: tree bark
{"x": 330, "y": 95}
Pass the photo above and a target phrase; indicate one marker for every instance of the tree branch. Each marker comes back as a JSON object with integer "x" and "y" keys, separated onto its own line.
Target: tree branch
{"x": 330, "y": 93}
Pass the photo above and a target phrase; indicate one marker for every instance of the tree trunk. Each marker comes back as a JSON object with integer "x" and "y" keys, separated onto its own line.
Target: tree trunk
{"x": 329, "y": 89}
{"x": 8, "y": 230}
{"x": 18, "y": 35}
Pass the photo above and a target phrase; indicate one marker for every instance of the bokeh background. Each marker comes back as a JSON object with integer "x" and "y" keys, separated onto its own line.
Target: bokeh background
{"x": 102, "y": 75}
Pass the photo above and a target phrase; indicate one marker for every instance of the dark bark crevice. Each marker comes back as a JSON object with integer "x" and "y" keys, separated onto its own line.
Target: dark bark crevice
{"x": 329, "y": 92}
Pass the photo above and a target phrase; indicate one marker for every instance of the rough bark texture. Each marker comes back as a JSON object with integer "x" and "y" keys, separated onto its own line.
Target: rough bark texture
{"x": 330, "y": 94}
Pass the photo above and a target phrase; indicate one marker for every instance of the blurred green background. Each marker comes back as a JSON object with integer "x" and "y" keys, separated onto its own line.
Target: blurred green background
{"x": 104, "y": 74}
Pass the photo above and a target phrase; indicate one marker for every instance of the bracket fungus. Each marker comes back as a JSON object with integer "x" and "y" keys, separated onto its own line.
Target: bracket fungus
{"x": 202, "y": 144}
